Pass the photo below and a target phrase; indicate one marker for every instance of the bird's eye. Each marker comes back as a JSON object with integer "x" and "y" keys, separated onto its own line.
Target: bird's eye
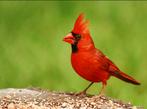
{"x": 78, "y": 36}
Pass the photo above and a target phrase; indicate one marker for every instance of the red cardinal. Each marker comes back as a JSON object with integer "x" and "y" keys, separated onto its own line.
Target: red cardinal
{"x": 88, "y": 61}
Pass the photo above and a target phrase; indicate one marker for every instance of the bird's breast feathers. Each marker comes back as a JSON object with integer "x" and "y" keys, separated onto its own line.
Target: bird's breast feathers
{"x": 89, "y": 66}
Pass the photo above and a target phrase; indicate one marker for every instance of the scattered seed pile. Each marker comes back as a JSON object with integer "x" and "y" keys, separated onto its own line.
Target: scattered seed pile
{"x": 39, "y": 99}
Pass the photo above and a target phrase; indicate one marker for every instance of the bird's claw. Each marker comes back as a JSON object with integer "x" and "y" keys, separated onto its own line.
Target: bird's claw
{"x": 83, "y": 93}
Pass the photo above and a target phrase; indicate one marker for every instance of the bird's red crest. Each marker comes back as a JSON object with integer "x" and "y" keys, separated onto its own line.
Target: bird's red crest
{"x": 81, "y": 26}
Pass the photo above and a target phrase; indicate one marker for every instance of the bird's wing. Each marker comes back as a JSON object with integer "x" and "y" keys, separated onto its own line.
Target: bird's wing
{"x": 112, "y": 69}
{"x": 102, "y": 60}
{"x": 106, "y": 63}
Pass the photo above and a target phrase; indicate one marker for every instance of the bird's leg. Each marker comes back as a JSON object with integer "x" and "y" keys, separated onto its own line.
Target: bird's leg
{"x": 103, "y": 89}
{"x": 84, "y": 91}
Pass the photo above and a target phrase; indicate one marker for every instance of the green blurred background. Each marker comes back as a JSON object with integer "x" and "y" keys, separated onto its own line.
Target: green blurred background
{"x": 32, "y": 52}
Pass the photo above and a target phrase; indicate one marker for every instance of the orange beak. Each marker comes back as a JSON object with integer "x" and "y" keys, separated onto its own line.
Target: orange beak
{"x": 69, "y": 38}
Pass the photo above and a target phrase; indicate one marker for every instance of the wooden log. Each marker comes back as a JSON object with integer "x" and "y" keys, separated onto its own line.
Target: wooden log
{"x": 40, "y": 99}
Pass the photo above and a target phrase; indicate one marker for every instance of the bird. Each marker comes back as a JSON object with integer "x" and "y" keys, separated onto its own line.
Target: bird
{"x": 89, "y": 62}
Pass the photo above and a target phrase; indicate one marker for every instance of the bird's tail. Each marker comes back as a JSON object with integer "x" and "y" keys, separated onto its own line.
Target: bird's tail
{"x": 125, "y": 77}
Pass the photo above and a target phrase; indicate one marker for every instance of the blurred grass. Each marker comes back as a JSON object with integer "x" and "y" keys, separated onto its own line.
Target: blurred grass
{"x": 32, "y": 52}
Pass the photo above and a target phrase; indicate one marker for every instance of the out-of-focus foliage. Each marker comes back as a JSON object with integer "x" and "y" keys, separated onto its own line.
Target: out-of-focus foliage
{"x": 32, "y": 52}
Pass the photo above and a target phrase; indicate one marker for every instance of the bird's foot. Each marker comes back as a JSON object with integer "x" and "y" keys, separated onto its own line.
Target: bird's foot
{"x": 82, "y": 94}
{"x": 101, "y": 95}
